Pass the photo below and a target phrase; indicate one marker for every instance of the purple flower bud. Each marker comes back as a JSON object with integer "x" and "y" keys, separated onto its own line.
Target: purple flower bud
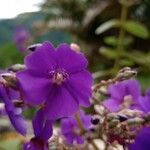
{"x": 13, "y": 113}
{"x": 42, "y": 131}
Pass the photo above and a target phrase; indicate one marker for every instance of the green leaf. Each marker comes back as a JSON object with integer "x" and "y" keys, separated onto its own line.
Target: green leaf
{"x": 113, "y": 41}
{"x": 136, "y": 29}
{"x": 109, "y": 53}
{"x": 107, "y": 25}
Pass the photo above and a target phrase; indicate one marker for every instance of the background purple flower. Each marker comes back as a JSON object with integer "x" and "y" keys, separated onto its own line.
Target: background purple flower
{"x": 70, "y": 129}
{"x": 13, "y": 113}
{"x": 21, "y": 36}
{"x": 42, "y": 131}
{"x": 119, "y": 91}
{"x": 142, "y": 141}
{"x": 56, "y": 78}
{"x": 144, "y": 102}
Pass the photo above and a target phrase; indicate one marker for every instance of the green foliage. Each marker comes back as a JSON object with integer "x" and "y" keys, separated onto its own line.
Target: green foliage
{"x": 9, "y": 55}
{"x": 107, "y": 25}
{"x": 113, "y": 41}
{"x": 136, "y": 29}
{"x": 109, "y": 53}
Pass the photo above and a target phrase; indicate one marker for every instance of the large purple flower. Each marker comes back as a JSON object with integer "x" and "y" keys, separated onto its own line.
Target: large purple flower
{"x": 14, "y": 114}
{"x": 42, "y": 131}
{"x": 142, "y": 141}
{"x": 127, "y": 91}
{"x": 71, "y": 130}
{"x": 57, "y": 79}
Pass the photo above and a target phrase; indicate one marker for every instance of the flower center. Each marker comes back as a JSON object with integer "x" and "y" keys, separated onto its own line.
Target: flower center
{"x": 58, "y": 76}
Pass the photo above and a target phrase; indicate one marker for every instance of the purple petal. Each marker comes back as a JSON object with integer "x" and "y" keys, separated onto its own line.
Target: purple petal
{"x": 69, "y": 138}
{"x": 133, "y": 88}
{"x": 124, "y": 88}
{"x": 111, "y": 104}
{"x": 117, "y": 91}
{"x": 67, "y": 125}
{"x": 86, "y": 119}
{"x": 47, "y": 130}
{"x": 34, "y": 89}
{"x": 70, "y": 60}
{"x": 42, "y": 60}
{"x": 80, "y": 85}
{"x": 142, "y": 141}
{"x": 37, "y": 122}
{"x": 16, "y": 119}
{"x": 144, "y": 102}
{"x": 79, "y": 139}
{"x": 42, "y": 128}
{"x": 60, "y": 103}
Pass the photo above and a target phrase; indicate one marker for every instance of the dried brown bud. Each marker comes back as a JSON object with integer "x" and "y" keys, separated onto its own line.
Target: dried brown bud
{"x": 126, "y": 73}
{"x": 34, "y": 46}
{"x": 17, "y": 67}
{"x": 10, "y": 79}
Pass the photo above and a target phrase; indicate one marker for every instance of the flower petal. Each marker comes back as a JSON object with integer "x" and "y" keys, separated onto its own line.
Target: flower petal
{"x": 117, "y": 91}
{"x": 133, "y": 88}
{"x": 16, "y": 119}
{"x": 42, "y": 60}
{"x": 142, "y": 141}
{"x": 38, "y": 123}
{"x": 60, "y": 103}
{"x": 111, "y": 104}
{"x": 80, "y": 86}
{"x": 42, "y": 128}
{"x": 70, "y": 60}
{"x": 34, "y": 89}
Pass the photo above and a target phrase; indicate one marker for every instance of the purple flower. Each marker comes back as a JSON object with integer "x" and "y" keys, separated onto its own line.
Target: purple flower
{"x": 123, "y": 92}
{"x": 70, "y": 129}
{"x": 13, "y": 113}
{"x": 42, "y": 131}
{"x": 57, "y": 79}
{"x": 21, "y": 36}
{"x": 144, "y": 102}
{"x": 142, "y": 141}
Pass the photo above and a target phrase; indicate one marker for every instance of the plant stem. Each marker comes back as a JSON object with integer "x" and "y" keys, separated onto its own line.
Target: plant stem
{"x": 124, "y": 13}
{"x": 120, "y": 46}
{"x": 83, "y": 130}
{"x": 79, "y": 122}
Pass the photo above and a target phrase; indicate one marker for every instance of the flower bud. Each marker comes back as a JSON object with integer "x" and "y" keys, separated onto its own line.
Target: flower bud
{"x": 126, "y": 73}
{"x": 75, "y": 47}
{"x": 10, "y": 79}
{"x": 95, "y": 120}
{"x": 34, "y": 46}
{"x": 17, "y": 67}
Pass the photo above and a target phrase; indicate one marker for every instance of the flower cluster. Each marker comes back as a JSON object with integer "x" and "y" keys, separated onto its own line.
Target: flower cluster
{"x": 127, "y": 95}
{"x": 56, "y": 83}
